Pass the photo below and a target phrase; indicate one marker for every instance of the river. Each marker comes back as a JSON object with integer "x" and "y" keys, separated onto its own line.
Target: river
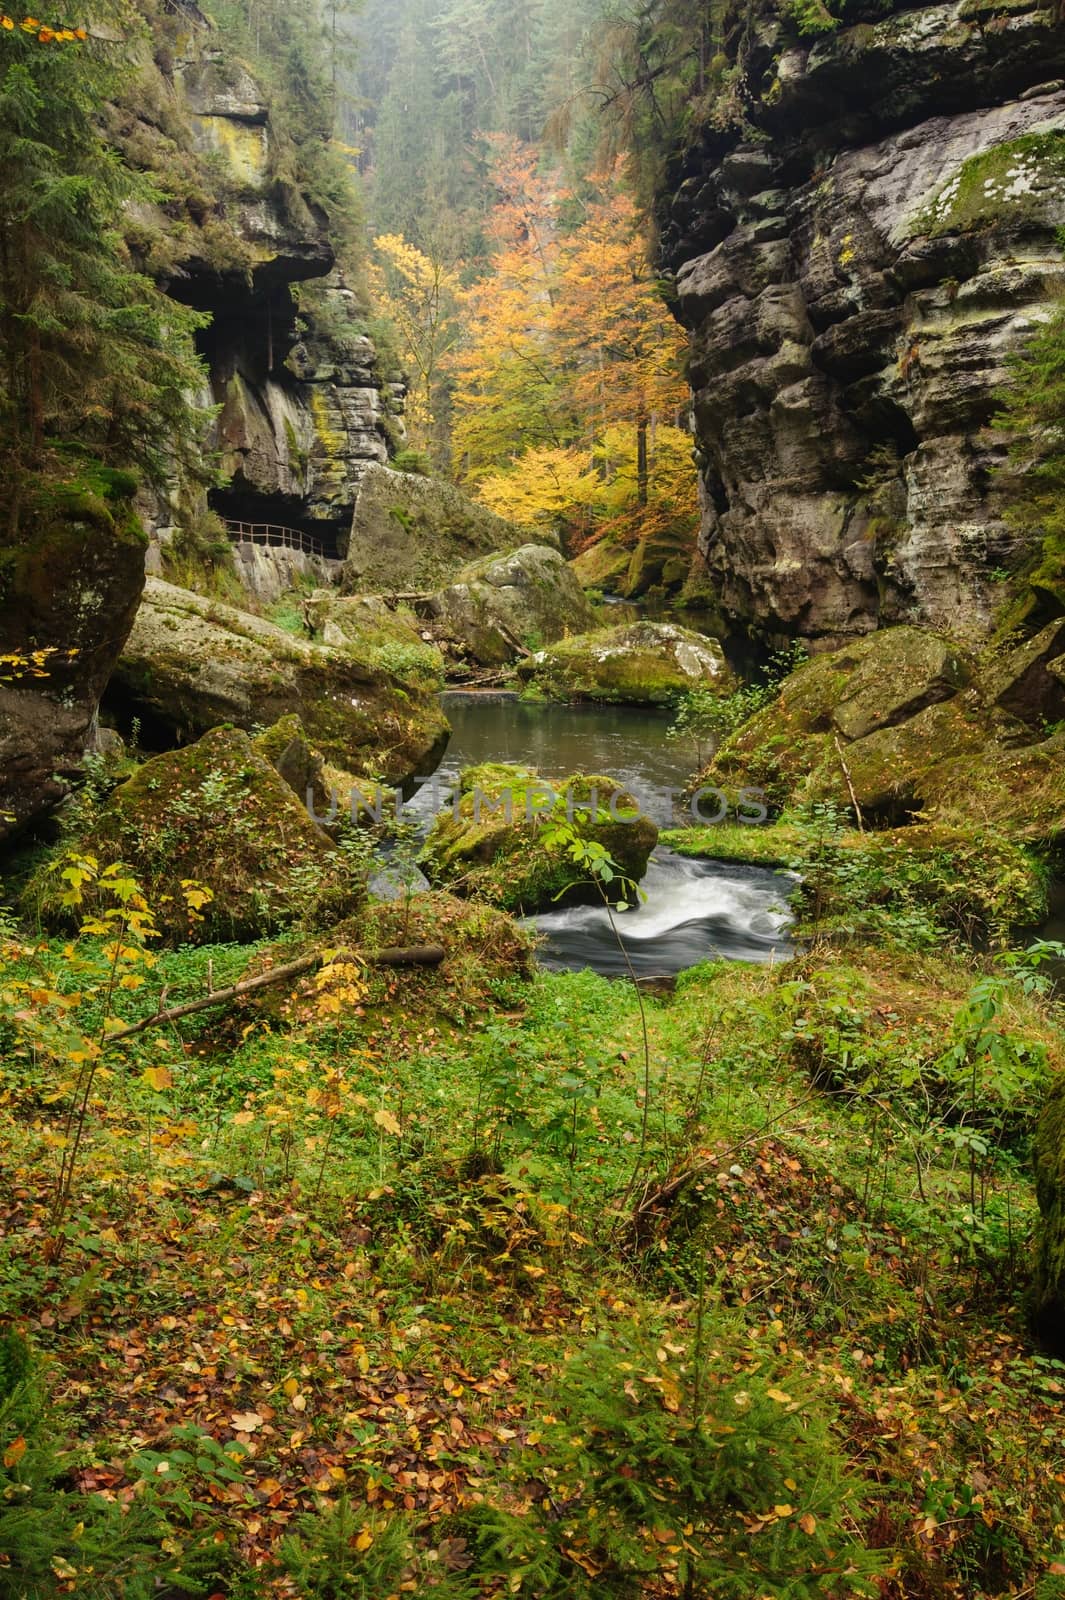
{"x": 693, "y": 910}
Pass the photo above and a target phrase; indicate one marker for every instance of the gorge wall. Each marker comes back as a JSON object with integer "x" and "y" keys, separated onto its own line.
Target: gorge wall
{"x": 241, "y": 234}
{"x": 856, "y": 264}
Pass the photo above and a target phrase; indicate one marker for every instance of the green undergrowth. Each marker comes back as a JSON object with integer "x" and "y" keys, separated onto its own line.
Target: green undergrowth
{"x": 917, "y": 886}
{"x": 432, "y": 1276}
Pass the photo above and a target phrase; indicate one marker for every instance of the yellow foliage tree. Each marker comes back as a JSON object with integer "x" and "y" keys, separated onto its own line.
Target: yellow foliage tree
{"x": 547, "y": 485}
{"x": 418, "y": 293}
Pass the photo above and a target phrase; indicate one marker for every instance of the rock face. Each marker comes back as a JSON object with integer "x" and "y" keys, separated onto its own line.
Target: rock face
{"x": 1048, "y": 1289}
{"x": 303, "y": 406}
{"x": 412, "y": 533}
{"x": 297, "y": 433}
{"x": 192, "y": 663}
{"x": 856, "y": 268}
{"x": 215, "y": 814}
{"x": 501, "y": 605}
{"x": 640, "y": 663}
{"x": 906, "y": 724}
{"x": 492, "y": 846}
{"x": 69, "y": 588}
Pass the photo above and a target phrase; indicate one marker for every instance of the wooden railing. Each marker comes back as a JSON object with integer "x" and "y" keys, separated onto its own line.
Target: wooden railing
{"x": 269, "y": 533}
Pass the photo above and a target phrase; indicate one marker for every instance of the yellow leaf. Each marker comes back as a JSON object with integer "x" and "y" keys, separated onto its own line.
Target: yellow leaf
{"x": 779, "y": 1396}
{"x": 364, "y": 1541}
{"x": 158, "y": 1078}
{"x": 385, "y": 1119}
{"x": 784, "y": 1510}
{"x": 242, "y": 1118}
{"x": 807, "y": 1522}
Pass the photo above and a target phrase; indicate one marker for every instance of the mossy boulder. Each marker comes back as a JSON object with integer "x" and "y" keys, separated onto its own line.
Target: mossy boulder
{"x": 500, "y": 606}
{"x": 1048, "y": 1286}
{"x": 411, "y": 533}
{"x": 1027, "y": 683}
{"x": 908, "y": 725}
{"x": 495, "y": 843}
{"x": 387, "y": 638}
{"x": 192, "y": 663}
{"x": 216, "y": 813}
{"x": 894, "y": 675}
{"x": 660, "y": 560}
{"x": 604, "y": 565}
{"x": 639, "y": 663}
{"x": 70, "y": 581}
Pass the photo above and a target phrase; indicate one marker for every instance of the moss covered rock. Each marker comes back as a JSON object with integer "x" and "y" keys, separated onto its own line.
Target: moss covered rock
{"x": 414, "y": 533}
{"x": 192, "y": 663}
{"x": 219, "y": 814}
{"x": 639, "y": 663}
{"x": 501, "y": 605}
{"x": 70, "y": 582}
{"x": 1048, "y": 1287}
{"x": 905, "y": 724}
{"x": 495, "y": 844}
{"x": 387, "y": 638}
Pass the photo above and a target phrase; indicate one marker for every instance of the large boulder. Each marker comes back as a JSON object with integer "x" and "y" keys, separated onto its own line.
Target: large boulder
{"x": 905, "y": 724}
{"x": 1048, "y": 1287}
{"x": 495, "y": 843}
{"x": 217, "y": 814}
{"x": 1028, "y": 682}
{"x": 70, "y": 582}
{"x": 389, "y": 638}
{"x": 500, "y": 606}
{"x": 411, "y": 533}
{"x": 639, "y": 663}
{"x": 192, "y": 663}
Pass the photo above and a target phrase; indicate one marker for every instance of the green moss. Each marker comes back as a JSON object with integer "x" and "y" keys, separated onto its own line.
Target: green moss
{"x": 1010, "y": 181}
{"x": 492, "y": 846}
{"x": 216, "y": 813}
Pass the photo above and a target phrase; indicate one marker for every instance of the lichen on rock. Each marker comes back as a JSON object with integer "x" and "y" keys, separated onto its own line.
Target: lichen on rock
{"x": 639, "y": 663}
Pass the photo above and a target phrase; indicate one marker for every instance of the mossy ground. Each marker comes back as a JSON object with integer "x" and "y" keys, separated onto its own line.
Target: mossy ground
{"x": 391, "y": 1315}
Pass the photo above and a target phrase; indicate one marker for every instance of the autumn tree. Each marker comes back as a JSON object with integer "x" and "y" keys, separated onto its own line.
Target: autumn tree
{"x": 418, "y": 293}
{"x": 612, "y": 331}
{"x": 509, "y": 392}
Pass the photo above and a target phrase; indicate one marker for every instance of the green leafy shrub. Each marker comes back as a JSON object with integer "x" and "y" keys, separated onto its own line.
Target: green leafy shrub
{"x": 706, "y": 718}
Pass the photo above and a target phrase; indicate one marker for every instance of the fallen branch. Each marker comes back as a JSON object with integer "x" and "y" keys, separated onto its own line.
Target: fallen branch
{"x": 850, "y": 786}
{"x": 416, "y": 955}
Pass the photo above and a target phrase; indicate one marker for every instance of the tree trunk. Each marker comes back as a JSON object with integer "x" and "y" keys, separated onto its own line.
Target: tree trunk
{"x": 642, "y": 472}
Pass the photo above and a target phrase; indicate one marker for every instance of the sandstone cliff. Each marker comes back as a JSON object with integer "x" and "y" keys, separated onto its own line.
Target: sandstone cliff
{"x": 245, "y": 232}
{"x": 855, "y": 263}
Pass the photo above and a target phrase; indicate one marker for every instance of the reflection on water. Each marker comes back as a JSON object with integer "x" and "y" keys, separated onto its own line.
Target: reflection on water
{"x": 627, "y": 743}
{"x": 693, "y": 910}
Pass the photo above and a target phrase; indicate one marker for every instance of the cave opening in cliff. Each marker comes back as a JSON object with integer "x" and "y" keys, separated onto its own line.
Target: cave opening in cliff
{"x": 280, "y": 520}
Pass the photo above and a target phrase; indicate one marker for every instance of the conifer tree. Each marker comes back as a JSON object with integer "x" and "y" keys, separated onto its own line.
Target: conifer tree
{"x": 90, "y": 351}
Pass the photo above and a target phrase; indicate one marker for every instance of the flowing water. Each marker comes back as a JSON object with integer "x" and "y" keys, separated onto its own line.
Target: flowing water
{"x": 693, "y": 910}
